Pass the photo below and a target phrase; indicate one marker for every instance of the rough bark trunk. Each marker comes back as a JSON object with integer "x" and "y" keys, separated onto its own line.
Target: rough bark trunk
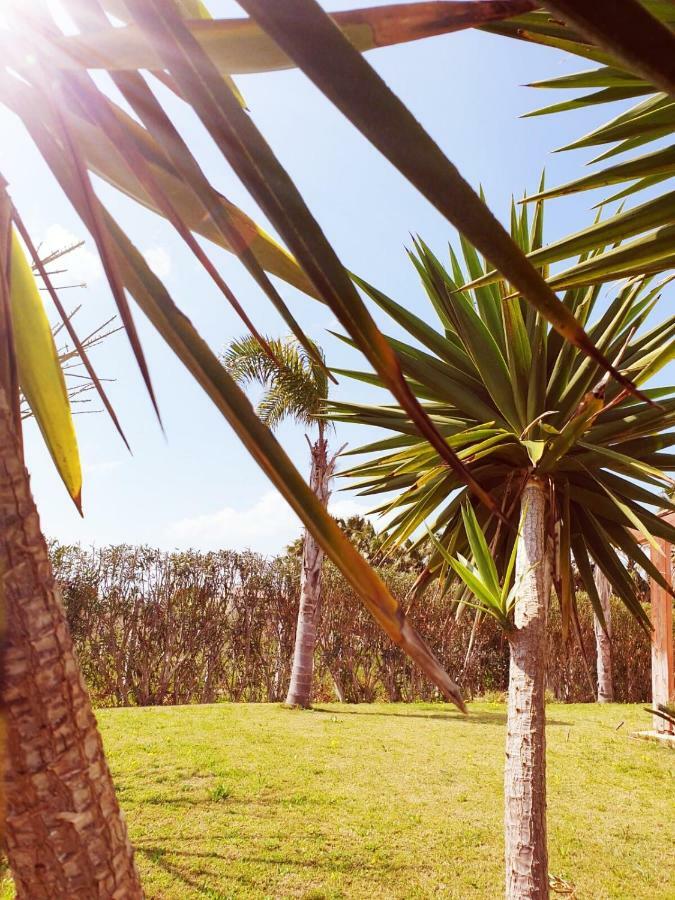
{"x": 300, "y": 687}
{"x": 525, "y": 769}
{"x": 603, "y": 641}
{"x": 66, "y": 837}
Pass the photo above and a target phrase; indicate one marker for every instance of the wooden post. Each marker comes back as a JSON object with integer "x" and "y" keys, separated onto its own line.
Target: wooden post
{"x": 662, "y": 639}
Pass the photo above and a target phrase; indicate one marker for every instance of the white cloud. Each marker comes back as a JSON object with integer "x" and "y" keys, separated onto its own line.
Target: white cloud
{"x": 159, "y": 261}
{"x": 266, "y": 526}
{"x": 347, "y": 506}
{"x": 81, "y": 265}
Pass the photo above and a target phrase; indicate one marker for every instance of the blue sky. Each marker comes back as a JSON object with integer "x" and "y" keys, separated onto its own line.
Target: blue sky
{"x": 198, "y": 487}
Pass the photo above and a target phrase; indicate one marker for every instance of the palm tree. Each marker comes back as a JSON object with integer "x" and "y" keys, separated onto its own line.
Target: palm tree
{"x": 569, "y": 457}
{"x": 361, "y": 532}
{"x": 296, "y": 387}
{"x": 65, "y": 833}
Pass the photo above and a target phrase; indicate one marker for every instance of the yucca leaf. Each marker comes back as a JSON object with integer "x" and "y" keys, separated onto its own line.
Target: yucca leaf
{"x": 160, "y": 128}
{"x": 40, "y": 375}
{"x": 508, "y": 574}
{"x": 632, "y": 490}
{"x": 654, "y": 213}
{"x": 39, "y": 266}
{"x": 488, "y": 301}
{"x": 488, "y": 600}
{"x": 555, "y": 35}
{"x": 429, "y": 372}
{"x": 659, "y": 162}
{"x": 632, "y": 129}
{"x": 101, "y": 114}
{"x": 610, "y": 335}
{"x": 615, "y": 572}
{"x": 634, "y": 519}
{"x": 176, "y": 329}
{"x": 191, "y": 9}
{"x": 628, "y": 544}
{"x": 603, "y": 76}
{"x": 61, "y": 119}
{"x": 103, "y": 159}
{"x": 244, "y": 147}
{"x": 653, "y": 252}
{"x": 318, "y": 47}
{"x": 419, "y": 329}
{"x": 606, "y": 95}
{"x": 572, "y": 431}
{"x": 622, "y": 461}
{"x": 565, "y": 562}
{"x": 385, "y": 444}
{"x": 480, "y": 550}
{"x": 536, "y": 384}
{"x": 241, "y": 47}
{"x": 641, "y": 185}
{"x": 586, "y": 573}
{"x": 587, "y": 493}
{"x": 638, "y": 40}
{"x": 644, "y": 137}
{"x": 434, "y": 493}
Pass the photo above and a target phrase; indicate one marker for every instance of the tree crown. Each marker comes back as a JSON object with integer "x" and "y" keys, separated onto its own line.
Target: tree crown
{"x": 295, "y": 385}
{"x": 513, "y": 399}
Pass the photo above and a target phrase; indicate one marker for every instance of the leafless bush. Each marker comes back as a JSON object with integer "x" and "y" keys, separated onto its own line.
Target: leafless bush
{"x": 631, "y": 658}
{"x": 156, "y": 628}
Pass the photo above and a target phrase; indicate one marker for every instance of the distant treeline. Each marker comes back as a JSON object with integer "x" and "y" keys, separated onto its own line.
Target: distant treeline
{"x": 156, "y": 628}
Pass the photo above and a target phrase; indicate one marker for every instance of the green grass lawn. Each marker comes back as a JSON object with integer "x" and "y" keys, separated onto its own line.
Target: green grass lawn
{"x": 381, "y": 801}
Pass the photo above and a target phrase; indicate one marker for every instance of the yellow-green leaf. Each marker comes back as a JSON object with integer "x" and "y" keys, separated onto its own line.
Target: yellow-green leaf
{"x": 240, "y": 46}
{"x": 40, "y": 375}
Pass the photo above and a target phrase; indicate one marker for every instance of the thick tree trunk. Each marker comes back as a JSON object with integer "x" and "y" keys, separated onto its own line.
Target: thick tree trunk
{"x": 300, "y": 688}
{"x": 66, "y": 837}
{"x": 603, "y": 641}
{"x": 525, "y": 770}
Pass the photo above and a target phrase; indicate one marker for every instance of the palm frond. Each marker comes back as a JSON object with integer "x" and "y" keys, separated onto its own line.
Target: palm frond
{"x": 295, "y": 384}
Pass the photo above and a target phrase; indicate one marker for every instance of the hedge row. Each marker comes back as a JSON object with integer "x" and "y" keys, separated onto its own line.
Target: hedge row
{"x": 156, "y": 628}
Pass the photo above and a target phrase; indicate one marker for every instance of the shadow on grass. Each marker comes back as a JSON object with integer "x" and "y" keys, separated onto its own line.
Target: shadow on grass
{"x": 474, "y": 718}
{"x": 157, "y": 856}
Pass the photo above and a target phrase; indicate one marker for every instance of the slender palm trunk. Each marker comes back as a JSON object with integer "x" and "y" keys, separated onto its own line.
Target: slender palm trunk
{"x": 300, "y": 688}
{"x": 66, "y": 837}
{"x": 525, "y": 769}
{"x": 603, "y": 640}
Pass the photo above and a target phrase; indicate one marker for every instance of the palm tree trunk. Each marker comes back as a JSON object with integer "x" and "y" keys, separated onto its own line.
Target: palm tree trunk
{"x": 66, "y": 837}
{"x": 525, "y": 769}
{"x": 300, "y": 688}
{"x": 603, "y": 640}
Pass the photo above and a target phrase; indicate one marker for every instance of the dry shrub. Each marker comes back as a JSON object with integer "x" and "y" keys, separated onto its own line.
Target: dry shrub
{"x": 155, "y": 628}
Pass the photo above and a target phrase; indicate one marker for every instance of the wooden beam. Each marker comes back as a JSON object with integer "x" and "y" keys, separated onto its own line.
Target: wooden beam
{"x": 663, "y": 690}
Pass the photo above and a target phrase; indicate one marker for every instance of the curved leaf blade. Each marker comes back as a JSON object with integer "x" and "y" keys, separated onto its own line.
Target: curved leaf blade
{"x": 319, "y": 48}
{"x": 242, "y": 47}
{"x": 40, "y": 375}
